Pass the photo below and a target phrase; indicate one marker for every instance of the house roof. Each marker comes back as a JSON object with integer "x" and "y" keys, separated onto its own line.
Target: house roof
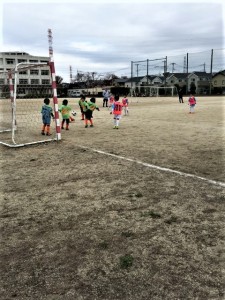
{"x": 200, "y": 74}
{"x": 121, "y": 80}
{"x": 222, "y": 72}
{"x": 178, "y": 75}
{"x": 135, "y": 79}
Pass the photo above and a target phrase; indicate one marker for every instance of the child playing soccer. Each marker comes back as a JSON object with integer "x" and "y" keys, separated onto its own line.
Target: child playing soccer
{"x": 47, "y": 113}
{"x": 125, "y": 105}
{"x": 111, "y": 101}
{"x": 192, "y": 103}
{"x": 65, "y": 110}
{"x": 81, "y": 105}
{"x": 117, "y": 112}
{"x": 88, "y": 114}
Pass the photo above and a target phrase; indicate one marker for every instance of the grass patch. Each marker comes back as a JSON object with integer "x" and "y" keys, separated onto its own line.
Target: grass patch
{"x": 127, "y": 233}
{"x": 151, "y": 213}
{"x": 126, "y": 261}
{"x": 171, "y": 220}
{"x": 103, "y": 245}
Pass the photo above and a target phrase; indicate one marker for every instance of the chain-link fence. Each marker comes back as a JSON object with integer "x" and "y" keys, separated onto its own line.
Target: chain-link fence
{"x": 177, "y": 70}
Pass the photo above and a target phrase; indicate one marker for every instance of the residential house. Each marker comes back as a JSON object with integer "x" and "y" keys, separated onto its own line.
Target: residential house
{"x": 120, "y": 82}
{"x": 177, "y": 79}
{"x": 133, "y": 82}
{"x": 218, "y": 82}
{"x": 199, "y": 82}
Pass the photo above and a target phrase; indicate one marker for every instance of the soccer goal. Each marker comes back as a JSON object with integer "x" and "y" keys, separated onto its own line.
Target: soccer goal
{"x": 153, "y": 91}
{"x": 22, "y": 93}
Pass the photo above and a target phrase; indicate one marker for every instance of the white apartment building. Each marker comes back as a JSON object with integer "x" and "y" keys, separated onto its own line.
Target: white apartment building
{"x": 38, "y": 79}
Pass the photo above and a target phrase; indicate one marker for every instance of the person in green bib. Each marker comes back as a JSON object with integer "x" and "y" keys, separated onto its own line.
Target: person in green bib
{"x": 65, "y": 110}
{"x": 89, "y": 111}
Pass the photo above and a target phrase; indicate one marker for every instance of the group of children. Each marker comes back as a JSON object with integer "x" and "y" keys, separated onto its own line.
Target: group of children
{"x": 87, "y": 107}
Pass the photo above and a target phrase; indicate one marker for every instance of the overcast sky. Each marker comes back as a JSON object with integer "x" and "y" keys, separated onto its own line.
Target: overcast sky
{"x": 105, "y": 36}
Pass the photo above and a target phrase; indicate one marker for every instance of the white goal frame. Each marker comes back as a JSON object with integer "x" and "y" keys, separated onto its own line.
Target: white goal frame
{"x": 152, "y": 91}
{"x": 13, "y": 98}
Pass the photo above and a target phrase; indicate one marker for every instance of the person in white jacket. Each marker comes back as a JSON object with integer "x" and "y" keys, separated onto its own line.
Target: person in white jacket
{"x": 106, "y": 95}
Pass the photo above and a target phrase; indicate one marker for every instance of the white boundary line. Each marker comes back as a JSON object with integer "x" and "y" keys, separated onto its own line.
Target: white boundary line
{"x": 157, "y": 167}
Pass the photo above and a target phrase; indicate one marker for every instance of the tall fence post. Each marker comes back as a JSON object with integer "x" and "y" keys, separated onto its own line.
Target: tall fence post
{"x": 211, "y": 71}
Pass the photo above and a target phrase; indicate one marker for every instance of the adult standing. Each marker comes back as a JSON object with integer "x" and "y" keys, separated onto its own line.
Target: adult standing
{"x": 180, "y": 94}
{"x": 106, "y": 95}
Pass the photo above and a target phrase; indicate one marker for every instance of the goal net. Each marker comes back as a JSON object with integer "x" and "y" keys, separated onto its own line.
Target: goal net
{"x": 22, "y": 93}
{"x": 153, "y": 91}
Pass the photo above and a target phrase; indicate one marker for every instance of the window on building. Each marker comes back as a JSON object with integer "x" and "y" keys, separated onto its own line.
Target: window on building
{"x": 171, "y": 81}
{"x": 34, "y": 81}
{"x": 23, "y": 72}
{"x": 215, "y": 82}
{"x": 23, "y": 81}
{"x": 34, "y": 72}
{"x": 10, "y": 61}
{"x": 22, "y": 60}
{"x": 33, "y": 61}
{"x": 44, "y": 61}
{"x": 193, "y": 79}
{"x": 223, "y": 82}
{"x": 45, "y": 81}
{"x": 44, "y": 72}
{"x": 2, "y": 81}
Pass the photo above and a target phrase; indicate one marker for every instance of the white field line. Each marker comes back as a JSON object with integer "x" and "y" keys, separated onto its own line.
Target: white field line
{"x": 156, "y": 167}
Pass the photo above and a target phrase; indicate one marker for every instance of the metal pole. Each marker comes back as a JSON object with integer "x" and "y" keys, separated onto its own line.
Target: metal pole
{"x": 187, "y": 76}
{"x": 147, "y": 71}
{"x": 211, "y": 71}
{"x": 55, "y": 99}
{"x": 131, "y": 79}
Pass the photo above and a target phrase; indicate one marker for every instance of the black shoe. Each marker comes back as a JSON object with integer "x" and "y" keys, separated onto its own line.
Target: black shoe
{"x": 42, "y": 133}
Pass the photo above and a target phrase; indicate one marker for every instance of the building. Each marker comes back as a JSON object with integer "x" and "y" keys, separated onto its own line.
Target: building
{"x": 34, "y": 81}
{"x": 218, "y": 82}
{"x": 199, "y": 82}
{"x": 178, "y": 79}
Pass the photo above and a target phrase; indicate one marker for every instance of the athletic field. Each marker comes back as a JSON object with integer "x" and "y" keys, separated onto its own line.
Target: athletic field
{"x": 127, "y": 214}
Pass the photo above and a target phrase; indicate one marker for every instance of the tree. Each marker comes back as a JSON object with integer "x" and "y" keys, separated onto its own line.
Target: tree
{"x": 58, "y": 79}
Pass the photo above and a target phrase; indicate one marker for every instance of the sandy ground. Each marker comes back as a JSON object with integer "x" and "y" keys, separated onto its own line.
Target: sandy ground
{"x": 80, "y": 224}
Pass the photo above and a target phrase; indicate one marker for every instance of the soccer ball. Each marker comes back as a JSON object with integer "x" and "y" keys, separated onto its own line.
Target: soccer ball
{"x": 73, "y": 113}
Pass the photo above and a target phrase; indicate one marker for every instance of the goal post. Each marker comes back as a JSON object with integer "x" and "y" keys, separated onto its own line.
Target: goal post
{"x": 153, "y": 91}
{"x": 22, "y": 94}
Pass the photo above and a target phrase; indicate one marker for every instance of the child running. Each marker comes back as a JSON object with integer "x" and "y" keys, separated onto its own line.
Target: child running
{"x": 83, "y": 107}
{"x": 117, "y": 112}
{"x": 89, "y": 112}
{"x": 47, "y": 113}
{"x": 192, "y": 103}
{"x": 111, "y": 101}
{"x": 65, "y": 110}
{"x": 125, "y": 105}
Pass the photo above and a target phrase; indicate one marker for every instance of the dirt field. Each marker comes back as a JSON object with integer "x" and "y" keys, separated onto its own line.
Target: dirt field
{"x": 85, "y": 225}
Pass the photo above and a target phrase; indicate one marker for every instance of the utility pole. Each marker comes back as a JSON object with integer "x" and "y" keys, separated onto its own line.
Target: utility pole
{"x": 184, "y": 68}
{"x": 137, "y": 69}
{"x": 173, "y": 67}
{"x": 211, "y": 71}
{"x": 71, "y": 75}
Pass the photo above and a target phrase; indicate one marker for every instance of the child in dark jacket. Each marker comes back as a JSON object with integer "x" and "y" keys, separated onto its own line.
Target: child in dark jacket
{"x": 47, "y": 114}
